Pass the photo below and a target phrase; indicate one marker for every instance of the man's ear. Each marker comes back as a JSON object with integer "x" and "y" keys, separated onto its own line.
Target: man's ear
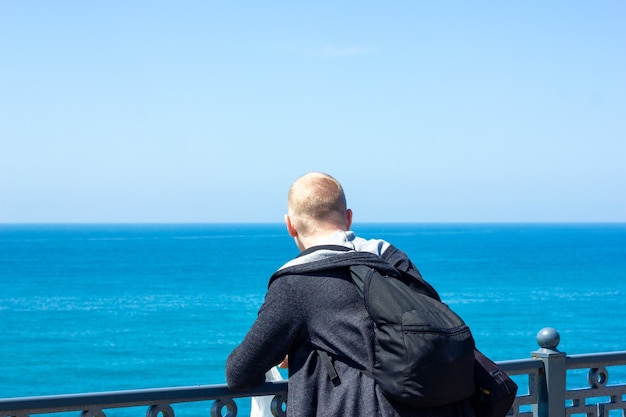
{"x": 348, "y": 219}
{"x": 291, "y": 229}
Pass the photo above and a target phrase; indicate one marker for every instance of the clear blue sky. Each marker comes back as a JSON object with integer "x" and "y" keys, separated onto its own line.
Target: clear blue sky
{"x": 202, "y": 111}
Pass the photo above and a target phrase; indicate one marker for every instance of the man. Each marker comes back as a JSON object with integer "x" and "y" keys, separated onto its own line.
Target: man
{"x": 312, "y": 305}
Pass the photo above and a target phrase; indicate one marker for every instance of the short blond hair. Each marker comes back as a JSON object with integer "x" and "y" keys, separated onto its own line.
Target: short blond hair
{"x": 315, "y": 200}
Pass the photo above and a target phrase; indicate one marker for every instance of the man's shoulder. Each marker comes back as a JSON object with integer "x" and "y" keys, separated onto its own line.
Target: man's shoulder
{"x": 330, "y": 263}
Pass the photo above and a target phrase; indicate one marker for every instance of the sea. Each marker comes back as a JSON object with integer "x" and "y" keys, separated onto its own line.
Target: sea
{"x": 106, "y": 307}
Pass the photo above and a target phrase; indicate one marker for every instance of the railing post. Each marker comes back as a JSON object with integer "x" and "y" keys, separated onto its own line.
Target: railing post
{"x": 551, "y": 393}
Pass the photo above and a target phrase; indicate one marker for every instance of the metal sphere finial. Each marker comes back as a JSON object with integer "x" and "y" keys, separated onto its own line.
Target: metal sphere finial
{"x": 548, "y": 338}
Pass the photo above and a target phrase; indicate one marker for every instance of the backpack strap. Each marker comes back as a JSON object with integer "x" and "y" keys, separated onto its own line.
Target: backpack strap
{"x": 330, "y": 368}
{"x": 327, "y": 361}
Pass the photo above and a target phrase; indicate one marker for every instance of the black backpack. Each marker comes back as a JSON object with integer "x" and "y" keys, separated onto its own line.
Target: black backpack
{"x": 424, "y": 352}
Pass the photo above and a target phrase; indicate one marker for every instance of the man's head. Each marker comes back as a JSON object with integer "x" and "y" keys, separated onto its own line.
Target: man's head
{"x": 316, "y": 204}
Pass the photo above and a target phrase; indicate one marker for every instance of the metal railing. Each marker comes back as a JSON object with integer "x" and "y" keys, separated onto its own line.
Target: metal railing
{"x": 543, "y": 392}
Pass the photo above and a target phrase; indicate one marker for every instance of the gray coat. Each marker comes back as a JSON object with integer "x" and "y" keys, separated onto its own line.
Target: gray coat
{"x": 312, "y": 303}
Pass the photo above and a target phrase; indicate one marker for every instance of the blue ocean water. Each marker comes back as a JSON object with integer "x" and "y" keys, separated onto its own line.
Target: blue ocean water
{"x": 88, "y": 308}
